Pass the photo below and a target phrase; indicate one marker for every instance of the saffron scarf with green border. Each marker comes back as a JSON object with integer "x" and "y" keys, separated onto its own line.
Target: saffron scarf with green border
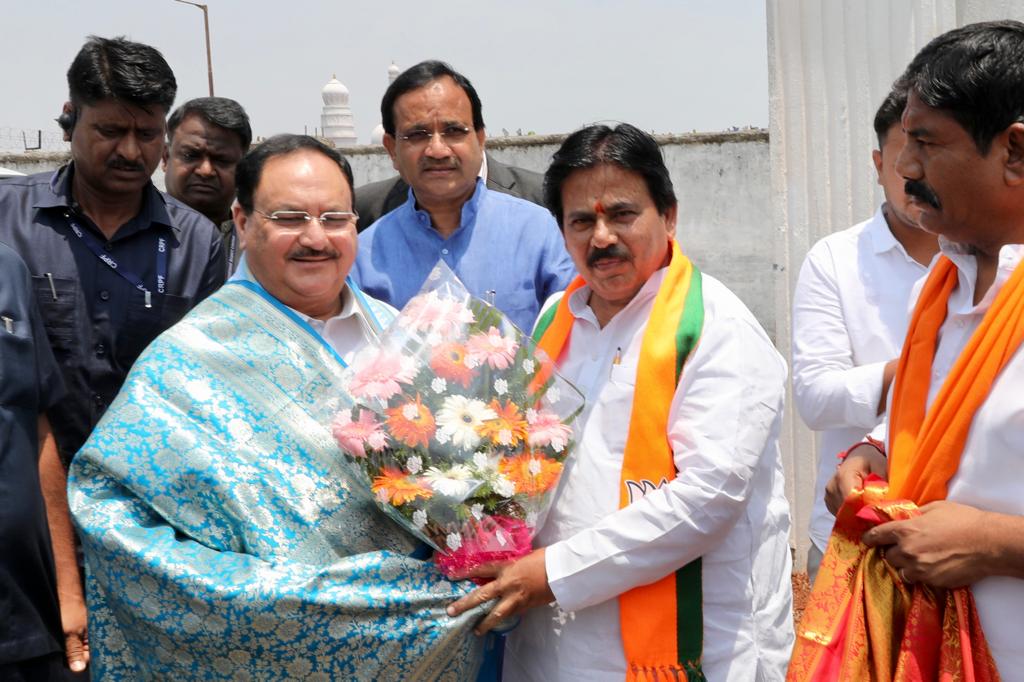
{"x": 662, "y": 623}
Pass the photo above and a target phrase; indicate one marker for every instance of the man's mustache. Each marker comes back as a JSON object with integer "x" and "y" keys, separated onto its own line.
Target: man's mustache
{"x": 306, "y": 252}
{"x": 613, "y": 251}
{"x": 119, "y": 163}
{"x": 442, "y": 165}
{"x": 919, "y": 190}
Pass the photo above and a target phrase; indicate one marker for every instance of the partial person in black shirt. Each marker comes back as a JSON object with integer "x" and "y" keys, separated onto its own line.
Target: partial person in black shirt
{"x": 114, "y": 262}
{"x": 31, "y": 637}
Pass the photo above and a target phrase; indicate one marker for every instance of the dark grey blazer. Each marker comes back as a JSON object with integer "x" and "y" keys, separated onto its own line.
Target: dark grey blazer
{"x": 377, "y": 198}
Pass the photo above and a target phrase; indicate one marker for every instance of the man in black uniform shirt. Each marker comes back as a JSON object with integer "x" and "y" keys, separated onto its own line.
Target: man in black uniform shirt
{"x": 114, "y": 262}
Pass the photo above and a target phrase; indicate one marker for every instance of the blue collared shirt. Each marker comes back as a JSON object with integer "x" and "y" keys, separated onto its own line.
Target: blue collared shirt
{"x": 503, "y": 244}
{"x": 97, "y": 322}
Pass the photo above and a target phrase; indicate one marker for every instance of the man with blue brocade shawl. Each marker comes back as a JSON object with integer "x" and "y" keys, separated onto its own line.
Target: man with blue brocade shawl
{"x": 220, "y": 536}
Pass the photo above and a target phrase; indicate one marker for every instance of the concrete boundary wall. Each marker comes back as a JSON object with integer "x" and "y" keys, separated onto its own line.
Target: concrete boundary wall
{"x": 722, "y": 181}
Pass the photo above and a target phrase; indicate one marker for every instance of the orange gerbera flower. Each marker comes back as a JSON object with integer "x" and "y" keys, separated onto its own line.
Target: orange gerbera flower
{"x": 449, "y": 362}
{"x": 411, "y": 423}
{"x": 509, "y": 428}
{"x": 395, "y": 487}
{"x": 532, "y": 474}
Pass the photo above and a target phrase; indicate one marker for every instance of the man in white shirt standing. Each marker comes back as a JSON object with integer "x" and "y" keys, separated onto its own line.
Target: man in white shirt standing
{"x": 956, "y": 418}
{"x": 666, "y": 549}
{"x": 850, "y": 313}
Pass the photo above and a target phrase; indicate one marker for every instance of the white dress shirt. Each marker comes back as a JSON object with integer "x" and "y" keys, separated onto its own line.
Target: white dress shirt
{"x": 991, "y": 472}
{"x": 727, "y": 503}
{"x": 850, "y": 314}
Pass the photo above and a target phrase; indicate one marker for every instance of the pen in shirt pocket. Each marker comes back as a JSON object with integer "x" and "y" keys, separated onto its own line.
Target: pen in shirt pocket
{"x": 617, "y": 360}
{"x": 53, "y": 289}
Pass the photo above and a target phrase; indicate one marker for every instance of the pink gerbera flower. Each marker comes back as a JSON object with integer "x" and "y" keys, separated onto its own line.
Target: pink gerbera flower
{"x": 379, "y": 375}
{"x": 491, "y": 347}
{"x": 355, "y": 437}
{"x": 430, "y": 312}
{"x": 545, "y": 428}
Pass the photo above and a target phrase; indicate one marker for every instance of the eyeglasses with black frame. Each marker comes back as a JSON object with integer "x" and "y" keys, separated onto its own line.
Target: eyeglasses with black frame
{"x": 450, "y": 134}
{"x": 298, "y": 221}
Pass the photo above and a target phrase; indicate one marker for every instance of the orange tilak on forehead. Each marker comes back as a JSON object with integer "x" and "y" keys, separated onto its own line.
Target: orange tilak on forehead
{"x": 598, "y": 207}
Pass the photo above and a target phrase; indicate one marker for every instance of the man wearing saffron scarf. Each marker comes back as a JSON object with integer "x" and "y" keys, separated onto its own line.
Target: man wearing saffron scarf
{"x": 956, "y": 421}
{"x": 221, "y": 539}
{"x": 666, "y": 552}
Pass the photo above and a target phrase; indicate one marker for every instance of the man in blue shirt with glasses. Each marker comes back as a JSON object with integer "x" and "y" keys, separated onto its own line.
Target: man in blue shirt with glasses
{"x": 504, "y": 249}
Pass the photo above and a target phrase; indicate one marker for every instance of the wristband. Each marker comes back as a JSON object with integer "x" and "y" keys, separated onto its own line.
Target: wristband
{"x": 868, "y": 440}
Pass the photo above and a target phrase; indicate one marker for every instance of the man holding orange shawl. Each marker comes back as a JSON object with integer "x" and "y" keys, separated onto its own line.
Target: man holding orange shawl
{"x": 666, "y": 552}
{"x": 952, "y": 515}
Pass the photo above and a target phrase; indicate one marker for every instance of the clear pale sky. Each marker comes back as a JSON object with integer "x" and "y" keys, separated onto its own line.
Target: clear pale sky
{"x": 546, "y": 66}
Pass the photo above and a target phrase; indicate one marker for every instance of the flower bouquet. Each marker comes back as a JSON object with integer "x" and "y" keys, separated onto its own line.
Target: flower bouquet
{"x": 460, "y": 427}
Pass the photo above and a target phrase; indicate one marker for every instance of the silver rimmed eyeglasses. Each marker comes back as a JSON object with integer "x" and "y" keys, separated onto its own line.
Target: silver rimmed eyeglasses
{"x": 298, "y": 221}
{"x": 450, "y": 134}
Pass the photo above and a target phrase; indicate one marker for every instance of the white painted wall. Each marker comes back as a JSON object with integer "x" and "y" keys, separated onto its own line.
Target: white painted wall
{"x": 830, "y": 63}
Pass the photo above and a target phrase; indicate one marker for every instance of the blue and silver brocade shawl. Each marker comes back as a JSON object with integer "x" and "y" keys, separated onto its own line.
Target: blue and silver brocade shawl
{"x": 221, "y": 539}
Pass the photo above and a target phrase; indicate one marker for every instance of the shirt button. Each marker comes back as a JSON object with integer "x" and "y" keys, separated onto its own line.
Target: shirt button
{"x": 98, "y": 399}
{"x": 108, "y": 246}
{"x": 444, "y": 251}
{"x": 104, "y": 295}
{"x": 101, "y": 350}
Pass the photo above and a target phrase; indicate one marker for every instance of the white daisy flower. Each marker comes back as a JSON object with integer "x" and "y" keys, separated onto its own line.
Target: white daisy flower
{"x": 439, "y": 385}
{"x": 454, "y": 541}
{"x": 504, "y": 487}
{"x": 477, "y": 510}
{"x": 500, "y": 386}
{"x": 528, "y": 366}
{"x": 461, "y": 418}
{"x": 456, "y": 482}
{"x": 419, "y": 518}
{"x": 414, "y": 464}
{"x": 554, "y": 395}
{"x": 481, "y": 460}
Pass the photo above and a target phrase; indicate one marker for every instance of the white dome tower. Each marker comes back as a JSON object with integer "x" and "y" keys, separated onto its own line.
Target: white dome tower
{"x": 336, "y": 119}
{"x": 377, "y": 136}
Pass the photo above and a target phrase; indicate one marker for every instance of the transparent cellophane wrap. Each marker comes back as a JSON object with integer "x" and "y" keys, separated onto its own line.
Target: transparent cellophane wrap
{"x": 457, "y": 425}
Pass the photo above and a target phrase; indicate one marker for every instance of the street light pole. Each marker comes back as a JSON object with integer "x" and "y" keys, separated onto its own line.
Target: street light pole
{"x": 206, "y": 25}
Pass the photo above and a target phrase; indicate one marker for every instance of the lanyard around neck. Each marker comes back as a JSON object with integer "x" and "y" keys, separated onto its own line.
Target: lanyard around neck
{"x": 93, "y": 245}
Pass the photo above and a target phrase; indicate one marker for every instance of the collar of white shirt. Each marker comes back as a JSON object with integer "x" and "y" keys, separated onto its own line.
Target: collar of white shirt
{"x": 579, "y": 300}
{"x": 962, "y": 255}
{"x": 882, "y": 238}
